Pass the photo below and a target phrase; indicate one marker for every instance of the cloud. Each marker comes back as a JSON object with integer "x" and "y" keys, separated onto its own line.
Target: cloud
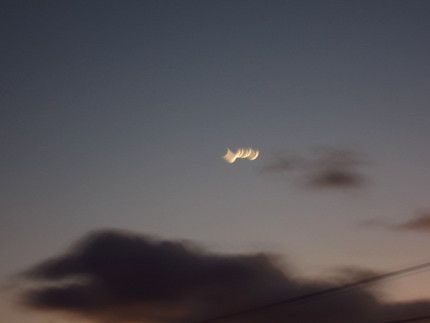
{"x": 420, "y": 223}
{"x": 326, "y": 169}
{"x": 281, "y": 163}
{"x": 113, "y": 276}
{"x": 335, "y": 178}
{"x": 334, "y": 168}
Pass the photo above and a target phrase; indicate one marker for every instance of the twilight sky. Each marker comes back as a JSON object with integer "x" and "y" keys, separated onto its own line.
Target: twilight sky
{"x": 116, "y": 115}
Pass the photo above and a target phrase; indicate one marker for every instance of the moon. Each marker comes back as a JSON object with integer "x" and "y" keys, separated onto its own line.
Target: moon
{"x": 249, "y": 153}
{"x": 230, "y": 156}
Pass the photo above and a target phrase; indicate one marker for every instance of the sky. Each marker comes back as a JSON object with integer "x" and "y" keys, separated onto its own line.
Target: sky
{"x": 115, "y": 116}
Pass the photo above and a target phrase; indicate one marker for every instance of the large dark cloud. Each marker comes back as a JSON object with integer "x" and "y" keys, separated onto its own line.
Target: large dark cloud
{"x": 326, "y": 169}
{"x": 112, "y": 276}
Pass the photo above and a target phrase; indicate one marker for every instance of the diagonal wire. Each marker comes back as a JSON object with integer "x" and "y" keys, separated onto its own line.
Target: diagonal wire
{"x": 413, "y": 319}
{"x": 322, "y": 293}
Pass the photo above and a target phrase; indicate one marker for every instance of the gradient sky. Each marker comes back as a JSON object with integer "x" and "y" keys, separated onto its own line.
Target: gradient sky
{"x": 115, "y": 114}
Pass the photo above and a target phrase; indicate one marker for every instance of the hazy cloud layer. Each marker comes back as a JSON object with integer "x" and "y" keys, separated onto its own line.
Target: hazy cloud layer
{"x": 326, "y": 169}
{"x": 111, "y": 276}
{"x": 420, "y": 223}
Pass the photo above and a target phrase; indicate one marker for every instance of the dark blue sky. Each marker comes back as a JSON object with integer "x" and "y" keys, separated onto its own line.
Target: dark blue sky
{"x": 117, "y": 113}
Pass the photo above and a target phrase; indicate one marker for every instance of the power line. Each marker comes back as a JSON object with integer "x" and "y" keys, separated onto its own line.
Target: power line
{"x": 413, "y": 319}
{"x": 322, "y": 293}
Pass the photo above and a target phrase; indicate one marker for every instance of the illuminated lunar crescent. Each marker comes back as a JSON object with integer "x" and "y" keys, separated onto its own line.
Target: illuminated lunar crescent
{"x": 230, "y": 156}
{"x": 254, "y": 156}
{"x": 248, "y": 153}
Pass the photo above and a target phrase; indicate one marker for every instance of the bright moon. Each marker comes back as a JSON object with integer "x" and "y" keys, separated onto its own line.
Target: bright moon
{"x": 249, "y": 153}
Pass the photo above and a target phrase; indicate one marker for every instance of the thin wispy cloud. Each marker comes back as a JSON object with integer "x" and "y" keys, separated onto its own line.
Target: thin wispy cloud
{"x": 325, "y": 169}
{"x": 282, "y": 163}
{"x": 419, "y": 223}
{"x": 113, "y": 276}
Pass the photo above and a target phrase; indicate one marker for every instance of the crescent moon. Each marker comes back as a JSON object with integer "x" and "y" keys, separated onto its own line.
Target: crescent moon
{"x": 230, "y": 157}
{"x": 256, "y": 153}
{"x": 247, "y": 153}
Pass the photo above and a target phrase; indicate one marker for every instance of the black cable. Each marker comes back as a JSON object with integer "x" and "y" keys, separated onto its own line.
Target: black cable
{"x": 413, "y": 319}
{"x": 319, "y": 294}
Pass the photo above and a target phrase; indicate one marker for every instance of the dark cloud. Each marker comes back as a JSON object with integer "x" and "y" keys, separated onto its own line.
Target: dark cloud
{"x": 420, "y": 222}
{"x": 326, "y": 169}
{"x": 112, "y": 276}
{"x": 334, "y": 168}
{"x": 335, "y": 178}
